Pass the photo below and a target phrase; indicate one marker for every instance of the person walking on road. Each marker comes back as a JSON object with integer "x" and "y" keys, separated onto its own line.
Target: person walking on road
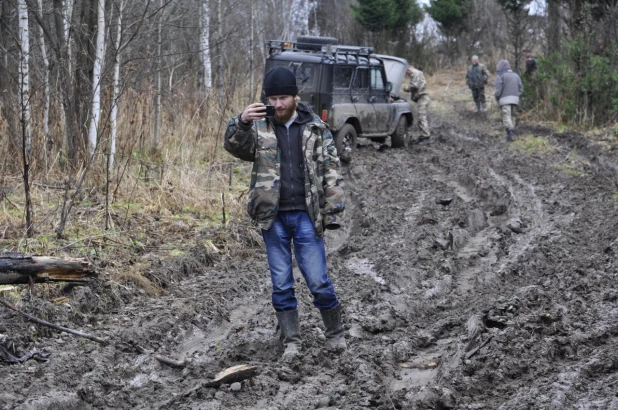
{"x": 507, "y": 89}
{"x": 296, "y": 192}
{"x": 418, "y": 93}
{"x": 476, "y": 79}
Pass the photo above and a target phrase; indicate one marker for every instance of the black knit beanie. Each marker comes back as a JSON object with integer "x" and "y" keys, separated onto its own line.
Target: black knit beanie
{"x": 280, "y": 81}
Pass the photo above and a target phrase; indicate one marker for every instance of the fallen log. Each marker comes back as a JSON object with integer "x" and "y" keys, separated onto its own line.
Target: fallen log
{"x": 16, "y": 268}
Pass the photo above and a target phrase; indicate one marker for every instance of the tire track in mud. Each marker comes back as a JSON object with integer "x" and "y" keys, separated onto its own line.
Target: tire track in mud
{"x": 480, "y": 254}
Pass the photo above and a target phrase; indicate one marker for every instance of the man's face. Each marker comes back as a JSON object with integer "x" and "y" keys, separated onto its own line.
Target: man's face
{"x": 285, "y": 106}
{"x": 409, "y": 71}
{"x": 475, "y": 60}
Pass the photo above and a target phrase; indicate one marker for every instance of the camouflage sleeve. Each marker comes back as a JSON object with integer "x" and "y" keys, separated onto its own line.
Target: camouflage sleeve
{"x": 332, "y": 181}
{"x": 485, "y": 75}
{"x": 468, "y": 80}
{"x": 240, "y": 139}
{"x": 417, "y": 81}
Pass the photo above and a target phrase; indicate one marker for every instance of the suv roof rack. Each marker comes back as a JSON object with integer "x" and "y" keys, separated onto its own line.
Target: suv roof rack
{"x": 330, "y": 50}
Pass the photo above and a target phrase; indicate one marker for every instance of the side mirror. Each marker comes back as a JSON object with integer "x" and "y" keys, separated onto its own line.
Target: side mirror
{"x": 389, "y": 86}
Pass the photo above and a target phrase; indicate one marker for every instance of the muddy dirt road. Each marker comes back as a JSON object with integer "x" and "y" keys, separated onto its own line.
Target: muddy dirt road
{"x": 474, "y": 275}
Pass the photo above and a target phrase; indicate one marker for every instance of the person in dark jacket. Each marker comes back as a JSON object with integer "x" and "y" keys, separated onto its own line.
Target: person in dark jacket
{"x": 507, "y": 89}
{"x": 530, "y": 62}
{"x": 296, "y": 192}
{"x": 476, "y": 79}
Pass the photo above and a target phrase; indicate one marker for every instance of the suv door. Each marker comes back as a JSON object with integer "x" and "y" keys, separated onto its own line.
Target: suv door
{"x": 380, "y": 99}
{"x": 361, "y": 97}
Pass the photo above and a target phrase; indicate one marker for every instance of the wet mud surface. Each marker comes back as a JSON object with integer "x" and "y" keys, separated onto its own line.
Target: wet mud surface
{"x": 474, "y": 275}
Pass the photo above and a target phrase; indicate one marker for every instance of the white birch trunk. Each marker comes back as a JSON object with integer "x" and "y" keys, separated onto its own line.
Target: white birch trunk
{"x": 46, "y": 140}
{"x": 96, "y": 77}
{"x": 251, "y": 54}
{"x": 316, "y": 28}
{"x": 116, "y": 92}
{"x": 68, "y": 13}
{"x": 24, "y": 75}
{"x": 299, "y": 19}
{"x": 205, "y": 46}
{"x": 157, "y": 130}
{"x": 220, "y": 53}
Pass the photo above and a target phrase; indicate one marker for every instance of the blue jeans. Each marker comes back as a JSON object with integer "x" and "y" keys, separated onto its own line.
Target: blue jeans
{"x": 310, "y": 255}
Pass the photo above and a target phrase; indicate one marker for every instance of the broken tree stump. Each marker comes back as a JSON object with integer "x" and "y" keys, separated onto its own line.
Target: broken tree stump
{"x": 16, "y": 268}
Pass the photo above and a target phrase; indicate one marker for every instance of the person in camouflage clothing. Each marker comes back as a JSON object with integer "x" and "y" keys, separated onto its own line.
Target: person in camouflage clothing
{"x": 476, "y": 79}
{"x": 418, "y": 93}
{"x": 296, "y": 192}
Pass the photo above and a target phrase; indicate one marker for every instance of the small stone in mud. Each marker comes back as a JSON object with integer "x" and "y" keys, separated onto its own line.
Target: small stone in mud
{"x": 447, "y": 401}
{"x": 444, "y": 201}
{"x": 323, "y": 402}
{"x": 498, "y": 210}
{"x": 235, "y": 387}
{"x": 514, "y": 225}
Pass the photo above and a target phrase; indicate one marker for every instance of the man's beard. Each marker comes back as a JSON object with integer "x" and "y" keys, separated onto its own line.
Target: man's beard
{"x": 289, "y": 113}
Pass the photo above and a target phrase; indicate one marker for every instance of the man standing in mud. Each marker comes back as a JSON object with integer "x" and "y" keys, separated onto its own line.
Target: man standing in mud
{"x": 476, "y": 78}
{"x": 296, "y": 193}
{"x": 418, "y": 93}
{"x": 507, "y": 89}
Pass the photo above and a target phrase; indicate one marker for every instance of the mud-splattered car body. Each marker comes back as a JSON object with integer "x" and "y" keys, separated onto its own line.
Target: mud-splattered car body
{"x": 348, "y": 87}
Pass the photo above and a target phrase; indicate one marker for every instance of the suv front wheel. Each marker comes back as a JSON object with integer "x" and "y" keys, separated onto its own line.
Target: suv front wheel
{"x": 345, "y": 142}
{"x": 399, "y": 139}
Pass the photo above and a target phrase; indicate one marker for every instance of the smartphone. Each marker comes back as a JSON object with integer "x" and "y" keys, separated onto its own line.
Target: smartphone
{"x": 270, "y": 110}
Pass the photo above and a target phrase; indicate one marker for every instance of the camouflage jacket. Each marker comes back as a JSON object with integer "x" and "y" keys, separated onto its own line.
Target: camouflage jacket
{"x": 324, "y": 194}
{"x": 418, "y": 85}
{"x": 477, "y": 76}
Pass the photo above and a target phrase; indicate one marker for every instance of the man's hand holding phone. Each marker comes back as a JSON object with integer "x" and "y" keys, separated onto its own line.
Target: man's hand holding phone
{"x": 257, "y": 111}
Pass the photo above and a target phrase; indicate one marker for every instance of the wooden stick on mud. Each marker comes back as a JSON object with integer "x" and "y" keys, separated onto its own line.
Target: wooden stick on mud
{"x": 169, "y": 362}
{"x": 53, "y": 326}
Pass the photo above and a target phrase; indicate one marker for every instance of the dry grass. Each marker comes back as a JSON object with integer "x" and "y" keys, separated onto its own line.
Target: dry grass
{"x": 158, "y": 203}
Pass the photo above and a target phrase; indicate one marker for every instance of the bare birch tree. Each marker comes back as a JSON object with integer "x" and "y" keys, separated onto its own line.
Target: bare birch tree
{"x": 205, "y": 47}
{"x": 220, "y": 53}
{"x": 116, "y": 88}
{"x": 157, "y": 126}
{"x": 96, "y": 77}
{"x": 46, "y": 89}
{"x": 24, "y": 93}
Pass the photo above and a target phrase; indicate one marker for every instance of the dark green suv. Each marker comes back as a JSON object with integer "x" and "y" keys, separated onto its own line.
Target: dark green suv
{"x": 349, "y": 87}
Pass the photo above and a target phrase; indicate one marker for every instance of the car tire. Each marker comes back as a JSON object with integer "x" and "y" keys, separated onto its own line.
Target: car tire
{"x": 314, "y": 43}
{"x": 399, "y": 139}
{"x": 345, "y": 142}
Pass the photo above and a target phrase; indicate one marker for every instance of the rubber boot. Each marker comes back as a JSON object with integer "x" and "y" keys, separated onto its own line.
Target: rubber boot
{"x": 290, "y": 329}
{"x": 334, "y": 329}
{"x": 483, "y": 107}
{"x": 478, "y": 106}
{"x": 510, "y": 136}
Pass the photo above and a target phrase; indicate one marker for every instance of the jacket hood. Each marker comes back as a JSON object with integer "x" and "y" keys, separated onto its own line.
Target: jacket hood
{"x": 503, "y": 65}
{"x": 305, "y": 114}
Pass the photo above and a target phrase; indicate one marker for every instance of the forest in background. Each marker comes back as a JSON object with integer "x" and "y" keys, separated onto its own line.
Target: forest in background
{"x": 115, "y": 104}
